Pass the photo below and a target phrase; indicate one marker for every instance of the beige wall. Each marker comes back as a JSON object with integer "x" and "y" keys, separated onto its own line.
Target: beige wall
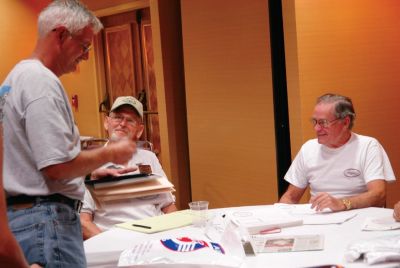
{"x": 229, "y": 102}
{"x": 83, "y": 83}
{"x": 351, "y": 48}
{"x": 17, "y": 31}
{"x": 18, "y": 20}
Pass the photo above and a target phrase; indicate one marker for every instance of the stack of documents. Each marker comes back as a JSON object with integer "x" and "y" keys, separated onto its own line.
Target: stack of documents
{"x": 128, "y": 186}
{"x": 264, "y": 220}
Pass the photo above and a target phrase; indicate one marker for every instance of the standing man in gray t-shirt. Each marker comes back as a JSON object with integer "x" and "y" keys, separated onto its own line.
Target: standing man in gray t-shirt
{"x": 43, "y": 164}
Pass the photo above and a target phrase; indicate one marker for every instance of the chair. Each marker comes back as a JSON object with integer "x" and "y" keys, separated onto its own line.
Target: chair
{"x": 145, "y": 145}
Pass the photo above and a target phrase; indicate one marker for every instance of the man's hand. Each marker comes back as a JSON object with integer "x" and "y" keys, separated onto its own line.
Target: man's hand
{"x": 121, "y": 151}
{"x": 104, "y": 172}
{"x": 325, "y": 200}
{"x": 396, "y": 211}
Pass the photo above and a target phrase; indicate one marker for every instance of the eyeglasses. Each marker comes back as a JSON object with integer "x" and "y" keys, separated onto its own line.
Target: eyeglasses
{"x": 324, "y": 123}
{"x": 85, "y": 47}
{"x": 119, "y": 118}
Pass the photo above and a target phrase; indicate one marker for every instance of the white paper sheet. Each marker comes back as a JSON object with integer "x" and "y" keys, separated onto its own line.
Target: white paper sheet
{"x": 380, "y": 224}
{"x": 311, "y": 216}
{"x": 263, "y": 220}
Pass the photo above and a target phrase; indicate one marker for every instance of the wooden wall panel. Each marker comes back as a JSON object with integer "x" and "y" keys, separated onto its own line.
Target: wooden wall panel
{"x": 229, "y": 102}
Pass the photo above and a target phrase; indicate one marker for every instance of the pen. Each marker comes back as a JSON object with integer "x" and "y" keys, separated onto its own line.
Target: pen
{"x": 142, "y": 226}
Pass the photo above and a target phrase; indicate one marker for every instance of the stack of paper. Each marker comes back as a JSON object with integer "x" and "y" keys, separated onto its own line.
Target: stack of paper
{"x": 129, "y": 187}
{"x": 264, "y": 220}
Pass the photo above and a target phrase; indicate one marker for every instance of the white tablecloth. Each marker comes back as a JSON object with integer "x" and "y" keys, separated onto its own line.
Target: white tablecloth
{"x": 104, "y": 249}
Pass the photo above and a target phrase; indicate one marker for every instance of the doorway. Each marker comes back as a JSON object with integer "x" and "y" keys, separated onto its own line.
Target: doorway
{"x": 127, "y": 49}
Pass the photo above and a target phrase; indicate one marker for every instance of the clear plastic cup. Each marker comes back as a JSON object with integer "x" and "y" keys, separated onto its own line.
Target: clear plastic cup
{"x": 199, "y": 211}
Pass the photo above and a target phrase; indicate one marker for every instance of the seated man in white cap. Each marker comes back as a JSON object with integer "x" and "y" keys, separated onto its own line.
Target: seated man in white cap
{"x": 124, "y": 121}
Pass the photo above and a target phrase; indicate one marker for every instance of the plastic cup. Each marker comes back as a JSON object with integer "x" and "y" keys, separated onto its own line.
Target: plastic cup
{"x": 199, "y": 212}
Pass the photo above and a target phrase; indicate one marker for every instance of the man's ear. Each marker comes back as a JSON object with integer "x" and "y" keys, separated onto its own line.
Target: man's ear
{"x": 140, "y": 131}
{"x": 105, "y": 122}
{"x": 62, "y": 33}
{"x": 347, "y": 121}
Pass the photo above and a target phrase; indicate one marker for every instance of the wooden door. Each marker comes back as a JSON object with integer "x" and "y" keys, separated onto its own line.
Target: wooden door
{"x": 129, "y": 66}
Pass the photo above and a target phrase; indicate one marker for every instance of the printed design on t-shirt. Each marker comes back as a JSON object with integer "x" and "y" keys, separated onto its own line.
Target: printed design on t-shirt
{"x": 4, "y": 90}
{"x": 351, "y": 173}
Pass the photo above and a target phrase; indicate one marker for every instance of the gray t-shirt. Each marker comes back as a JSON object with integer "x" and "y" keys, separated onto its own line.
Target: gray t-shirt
{"x": 39, "y": 131}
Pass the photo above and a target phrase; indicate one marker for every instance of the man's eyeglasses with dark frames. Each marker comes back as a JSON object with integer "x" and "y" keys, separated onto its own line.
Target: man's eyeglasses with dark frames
{"x": 324, "y": 123}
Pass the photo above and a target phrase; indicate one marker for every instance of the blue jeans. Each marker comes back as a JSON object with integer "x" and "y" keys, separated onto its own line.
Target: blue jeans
{"x": 49, "y": 234}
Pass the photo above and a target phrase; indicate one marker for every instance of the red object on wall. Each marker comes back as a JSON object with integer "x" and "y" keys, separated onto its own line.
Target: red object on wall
{"x": 74, "y": 102}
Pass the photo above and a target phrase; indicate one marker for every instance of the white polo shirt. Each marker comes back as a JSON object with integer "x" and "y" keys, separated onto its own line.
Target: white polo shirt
{"x": 343, "y": 171}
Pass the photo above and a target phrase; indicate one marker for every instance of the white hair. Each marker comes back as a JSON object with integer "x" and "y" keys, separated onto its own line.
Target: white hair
{"x": 71, "y": 14}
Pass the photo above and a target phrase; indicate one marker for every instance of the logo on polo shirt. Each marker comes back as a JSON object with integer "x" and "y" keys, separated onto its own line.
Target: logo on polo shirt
{"x": 352, "y": 173}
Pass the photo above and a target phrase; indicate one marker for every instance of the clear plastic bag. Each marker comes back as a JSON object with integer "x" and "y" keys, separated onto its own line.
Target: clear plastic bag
{"x": 377, "y": 250}
{"x": 186, "y": 251}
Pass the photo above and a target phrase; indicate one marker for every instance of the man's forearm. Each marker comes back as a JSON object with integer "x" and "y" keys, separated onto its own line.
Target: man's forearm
{"x": 89, "y": 229}
{"x": 10, "y": 252}
{"x": 83, "y": 164}
{"x": 374, "y": 197}
{"x": 292, "y": 195}
{"x": 88, "y": 160}
{"x": 368, "y": 199}
{"x": 170, "y": 208}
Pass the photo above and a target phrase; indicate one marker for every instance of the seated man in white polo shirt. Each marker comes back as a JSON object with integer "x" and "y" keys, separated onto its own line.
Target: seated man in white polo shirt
{"x": 344, "y": 170}
{"x": 124, "y": 121}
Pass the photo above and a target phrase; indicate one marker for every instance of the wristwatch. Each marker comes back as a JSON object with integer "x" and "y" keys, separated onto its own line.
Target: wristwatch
{"x": 347, "y": 203}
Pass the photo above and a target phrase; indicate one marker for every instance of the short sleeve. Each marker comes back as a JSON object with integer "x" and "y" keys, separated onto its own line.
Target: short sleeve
{"x": 377, "y": 164}
{"x": 88, "y": 205}
{"x": 61, "y": 142}
{"x": 164, "y": 200}
{"x": 296, "y": 174}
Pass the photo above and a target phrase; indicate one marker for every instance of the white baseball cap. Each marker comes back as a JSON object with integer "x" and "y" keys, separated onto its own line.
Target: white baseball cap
{"x": 128, "y": 100}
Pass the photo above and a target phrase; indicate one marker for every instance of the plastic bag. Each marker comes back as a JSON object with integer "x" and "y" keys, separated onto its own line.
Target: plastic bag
{"x": 179, "y": 251}
{"x": 377, "y": 250}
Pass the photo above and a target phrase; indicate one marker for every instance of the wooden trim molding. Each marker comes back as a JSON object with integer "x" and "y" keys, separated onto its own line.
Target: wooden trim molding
{"x": 138, "y": 4}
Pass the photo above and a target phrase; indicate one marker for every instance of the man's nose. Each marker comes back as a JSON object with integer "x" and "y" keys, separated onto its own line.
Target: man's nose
{"x": 317, "y": 127}
{"x": 124, "y": 121}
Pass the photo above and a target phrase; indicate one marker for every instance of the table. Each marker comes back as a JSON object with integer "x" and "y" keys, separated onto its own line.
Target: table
{"x": 104, "y": 249}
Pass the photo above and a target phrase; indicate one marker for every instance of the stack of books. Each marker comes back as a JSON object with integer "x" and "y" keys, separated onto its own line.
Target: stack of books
{"x": 128, "y": 186}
